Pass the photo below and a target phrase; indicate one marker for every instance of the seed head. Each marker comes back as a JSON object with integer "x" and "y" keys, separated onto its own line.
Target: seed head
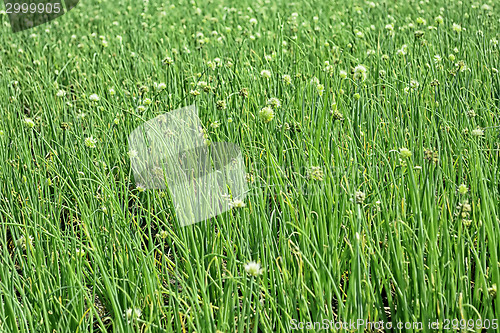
{"x": 315, "y": 173}
{"x": 359, "y": 197}
{"x": 337, "y": 115}
{"x": 462, "y": 189}
{"x": 431, "y": 155}
{"x": 405, "y": 153}
{"x": 244, "y": 92}
{"x": 266, "y": 114}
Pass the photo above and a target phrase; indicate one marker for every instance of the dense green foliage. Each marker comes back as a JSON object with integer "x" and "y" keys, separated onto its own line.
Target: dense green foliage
{"x": 374, "y": 173}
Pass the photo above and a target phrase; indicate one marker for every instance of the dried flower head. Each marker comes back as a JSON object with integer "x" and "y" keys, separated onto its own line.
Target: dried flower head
{"x": 265, "y": 74}
{"x": 315, "y": 173}
{"x": 431, "y": 155}
{"x": 274, "y": 102}
{"x": 477, "y": 132}
{"x": 493, "y": 290}
{"x": 237, "y": 203}
{"x": 221, "y": 104}
{"x": 244, "y": 92}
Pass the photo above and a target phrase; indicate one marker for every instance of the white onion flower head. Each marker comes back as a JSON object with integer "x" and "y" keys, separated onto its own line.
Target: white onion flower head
{"x": 359, "y": 197}
{"x": 237, "y": 203}
{"x": 360, "y": 73}
{"x": 132, "y": 314}
{"x": 29, "y": 122}
{"x": 265, "y": 74}
{"x": 274, "y": 102}
{"x": 477, "y": 132}
{"x": 22, "y": 241}
{"x": 402, "y": 51}
{"x": 287, "y": 79}
{"x": 90, "y": 142}
{"x": 79, "y": 252}
{"x": 132, "y": 153}
{"x": 462, "y": 189}
{"x": 421, "y": 21}
{"x": 320, "y": 89}
{"x": 253, "y": 268}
